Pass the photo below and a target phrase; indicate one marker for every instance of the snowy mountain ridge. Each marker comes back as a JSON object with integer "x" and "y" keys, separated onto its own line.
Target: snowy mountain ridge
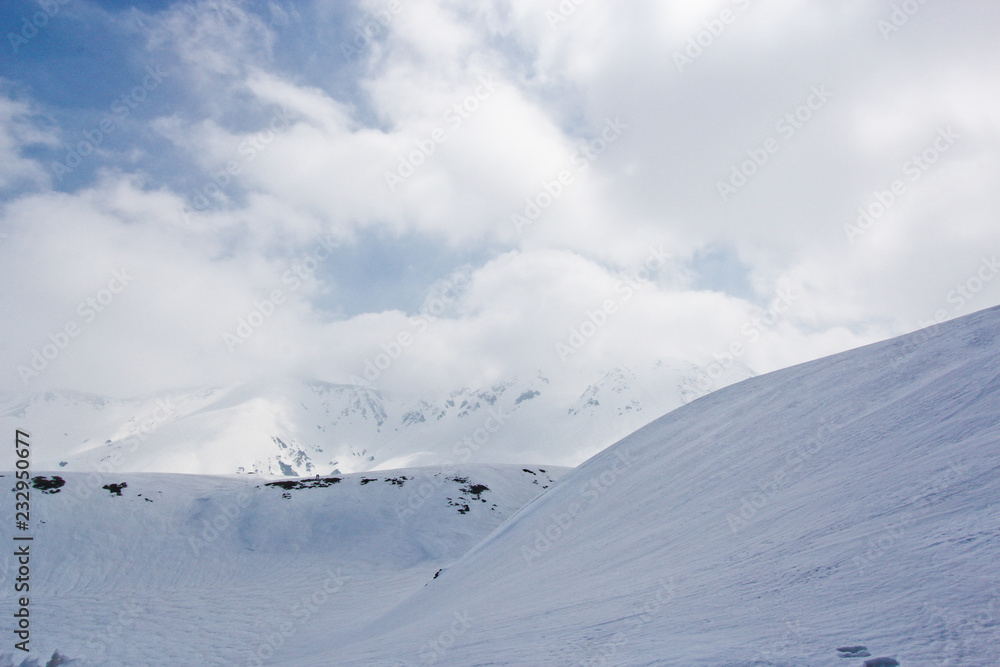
{"x": 839, "y": 512}
{"x": 291, "y": 427}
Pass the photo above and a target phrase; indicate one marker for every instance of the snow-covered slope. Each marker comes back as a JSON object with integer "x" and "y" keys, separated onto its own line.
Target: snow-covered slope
{"x": 302, "y": 427}
{"x": 153, "y": 569}
{"x": 848, "y": 503}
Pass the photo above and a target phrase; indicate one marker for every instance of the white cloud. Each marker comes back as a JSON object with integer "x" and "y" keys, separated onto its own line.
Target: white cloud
{"x": 312, "y": 159}
{"x": 20, "y": 128}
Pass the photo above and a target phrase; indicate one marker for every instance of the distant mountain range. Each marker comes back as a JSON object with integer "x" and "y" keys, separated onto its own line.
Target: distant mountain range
{"x": 839, "y": 512}
{"x": 296, "y": 427}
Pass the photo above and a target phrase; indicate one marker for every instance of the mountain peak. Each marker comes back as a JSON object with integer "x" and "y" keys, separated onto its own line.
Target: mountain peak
{"x": 299, "y": 425}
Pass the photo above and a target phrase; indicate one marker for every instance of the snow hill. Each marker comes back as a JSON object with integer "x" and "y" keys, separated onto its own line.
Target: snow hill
{"x": 296, "y": 427}
{"x": 832, "y": 513}
{"x": 144, "y": 570}
{"x": 844, "y": 512}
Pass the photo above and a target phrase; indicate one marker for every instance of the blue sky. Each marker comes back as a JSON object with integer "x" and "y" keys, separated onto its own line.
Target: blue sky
{"x": 523, "y": 156}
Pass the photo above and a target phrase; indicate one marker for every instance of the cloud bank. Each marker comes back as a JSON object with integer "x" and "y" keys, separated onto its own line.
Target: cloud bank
{"x": 211, "y": 192}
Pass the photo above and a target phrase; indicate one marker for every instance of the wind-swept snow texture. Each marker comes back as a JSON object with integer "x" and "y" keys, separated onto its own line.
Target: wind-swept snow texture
{"x": 150, "y": 570}
{"x": 845, "y": 512}
{"x": 840, "y": 509}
